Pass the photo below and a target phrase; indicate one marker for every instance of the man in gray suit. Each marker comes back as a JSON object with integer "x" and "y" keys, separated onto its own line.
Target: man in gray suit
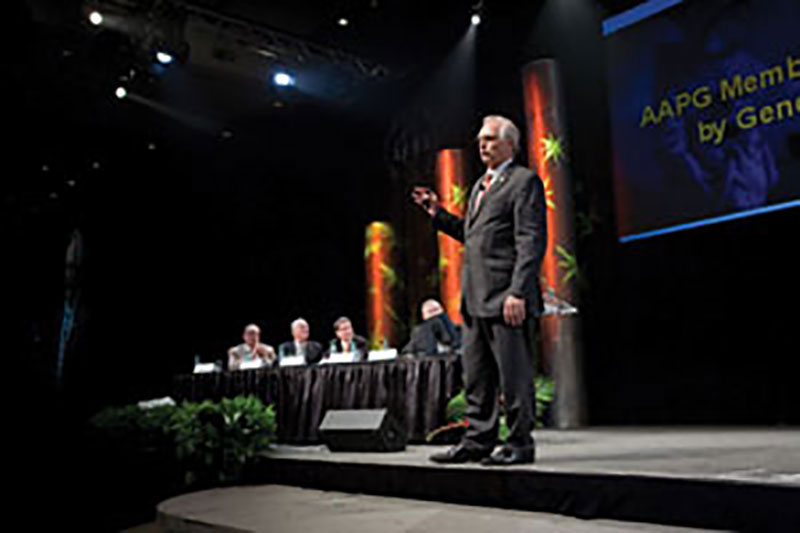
{"x": 505, "y": 236}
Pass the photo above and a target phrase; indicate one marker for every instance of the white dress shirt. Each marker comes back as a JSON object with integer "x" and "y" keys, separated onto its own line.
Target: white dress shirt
{"x": 494, "y": 172}
{"x": 300, "y": 347}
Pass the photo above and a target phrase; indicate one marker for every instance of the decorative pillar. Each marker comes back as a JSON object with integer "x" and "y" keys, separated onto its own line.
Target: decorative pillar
{"x": 381, "y": 283}
{"x": 560, "y": 327}
{"x": 452, "y": 189}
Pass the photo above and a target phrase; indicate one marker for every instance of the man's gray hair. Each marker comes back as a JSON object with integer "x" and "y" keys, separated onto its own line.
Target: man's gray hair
{"x": 339, "y": 321}
{"x": 431, "y": 308}
{"x": 299, "y": 322}
{"x": 508, "y": 130}
{"x": 430, "y": 302}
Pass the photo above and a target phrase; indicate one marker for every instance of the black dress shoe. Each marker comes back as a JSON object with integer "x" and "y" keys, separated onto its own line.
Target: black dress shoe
{"x": 507, "y": 456}
{"x": 461, "y": 454}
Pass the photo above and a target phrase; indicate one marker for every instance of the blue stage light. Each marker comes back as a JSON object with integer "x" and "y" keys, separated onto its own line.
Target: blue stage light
{"x": 164, "y": 58}
{"x": 283, "y": 79}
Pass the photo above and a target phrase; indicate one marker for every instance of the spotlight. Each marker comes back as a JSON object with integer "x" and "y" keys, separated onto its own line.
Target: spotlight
{"x": 476, "y": 19}
{"x": 343, "y": 22}
{"x": 121, "y": 92}
{"x": 164, "y": 58}
{"x": 95, "y": 18}
{"x": 283, "y": 79}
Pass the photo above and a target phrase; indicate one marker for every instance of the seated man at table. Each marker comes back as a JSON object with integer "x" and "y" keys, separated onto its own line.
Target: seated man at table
{"x": 436, "y": 334}
{"x": 347, "y": 341}
{"x": 251, "y": 350}
{"x": 300, "y": 344}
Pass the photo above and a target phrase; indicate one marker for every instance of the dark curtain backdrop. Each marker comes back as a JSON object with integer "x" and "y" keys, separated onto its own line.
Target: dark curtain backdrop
{"x": 187, "y": 242}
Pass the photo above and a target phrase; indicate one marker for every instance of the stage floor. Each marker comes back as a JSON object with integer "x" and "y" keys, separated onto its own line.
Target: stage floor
{"x": 279, "y": 509}
{"x": 760, "y": 455}
{"x": 740, "y": 479}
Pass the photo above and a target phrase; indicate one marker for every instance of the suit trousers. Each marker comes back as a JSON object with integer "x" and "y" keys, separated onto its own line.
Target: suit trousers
{"x": 498, "y": 358}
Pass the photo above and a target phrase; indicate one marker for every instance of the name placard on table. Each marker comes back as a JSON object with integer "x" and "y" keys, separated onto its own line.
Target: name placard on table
{"x": 382, "y": 355}
{"x": 251, "y": 365}
{"x": 292, "y": 360}
{"x": 339, "y": 358}
{"x": 372, "y": 357}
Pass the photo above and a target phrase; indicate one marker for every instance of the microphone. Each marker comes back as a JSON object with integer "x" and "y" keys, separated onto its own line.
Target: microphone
{"x": 426, "y": 204}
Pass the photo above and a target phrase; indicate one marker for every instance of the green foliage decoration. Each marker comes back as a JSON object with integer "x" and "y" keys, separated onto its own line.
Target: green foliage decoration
{"x": 210, "y": 442}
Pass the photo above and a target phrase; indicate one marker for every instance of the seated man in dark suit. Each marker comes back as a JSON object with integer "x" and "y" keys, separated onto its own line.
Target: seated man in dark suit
{"x": 436, "y": 334}
{"x": 347, "y": 341}
{"x": 300, "y": 344}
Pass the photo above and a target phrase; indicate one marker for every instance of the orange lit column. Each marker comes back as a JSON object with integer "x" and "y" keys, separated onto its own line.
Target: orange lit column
{"x": 560, "y": 327}
{"x": 381, "y": 283}
{"x": 452, "y": 194}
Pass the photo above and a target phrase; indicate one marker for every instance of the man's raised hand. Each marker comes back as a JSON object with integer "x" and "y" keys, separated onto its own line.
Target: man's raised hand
{"x": 426, "y": 199}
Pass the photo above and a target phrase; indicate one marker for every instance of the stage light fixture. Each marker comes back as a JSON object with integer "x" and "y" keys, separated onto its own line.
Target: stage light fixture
{"x": 343, "y": 22}
{"x": 95, "y": 18}
{"x": 121, "y": 92}
{"x": 283, "y": 79}
{"x": 164, "y": 58}
{"x": 476, "y": 19}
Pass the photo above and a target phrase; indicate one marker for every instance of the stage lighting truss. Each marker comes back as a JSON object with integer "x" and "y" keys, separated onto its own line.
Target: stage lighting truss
{"x": 153, "y": 32}
{"x": 162, "y": 25}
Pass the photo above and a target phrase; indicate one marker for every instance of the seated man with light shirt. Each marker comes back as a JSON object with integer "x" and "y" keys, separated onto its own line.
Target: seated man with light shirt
{"x": 300, "y": 345}
{"x": 251, "y": 350}
{"x": 347, "y": 341}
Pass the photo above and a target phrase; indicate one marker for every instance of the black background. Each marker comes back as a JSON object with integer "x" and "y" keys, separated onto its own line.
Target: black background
{"x": 188, "y": 242}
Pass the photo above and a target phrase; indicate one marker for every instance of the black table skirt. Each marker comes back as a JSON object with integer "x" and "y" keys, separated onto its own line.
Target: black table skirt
{"x": 415, "y": 391}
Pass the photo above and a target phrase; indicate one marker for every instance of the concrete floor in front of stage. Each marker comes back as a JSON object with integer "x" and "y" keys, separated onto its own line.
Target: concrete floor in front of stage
{"x": 763, "y": 455}
{"x": 274, "y": 508}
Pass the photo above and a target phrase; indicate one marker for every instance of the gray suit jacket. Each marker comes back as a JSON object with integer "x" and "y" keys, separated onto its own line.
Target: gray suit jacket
{"x": 505, "y": 241}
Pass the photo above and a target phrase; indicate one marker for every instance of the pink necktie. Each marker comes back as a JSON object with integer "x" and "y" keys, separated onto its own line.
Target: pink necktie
{"x": 487, "y": 182}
